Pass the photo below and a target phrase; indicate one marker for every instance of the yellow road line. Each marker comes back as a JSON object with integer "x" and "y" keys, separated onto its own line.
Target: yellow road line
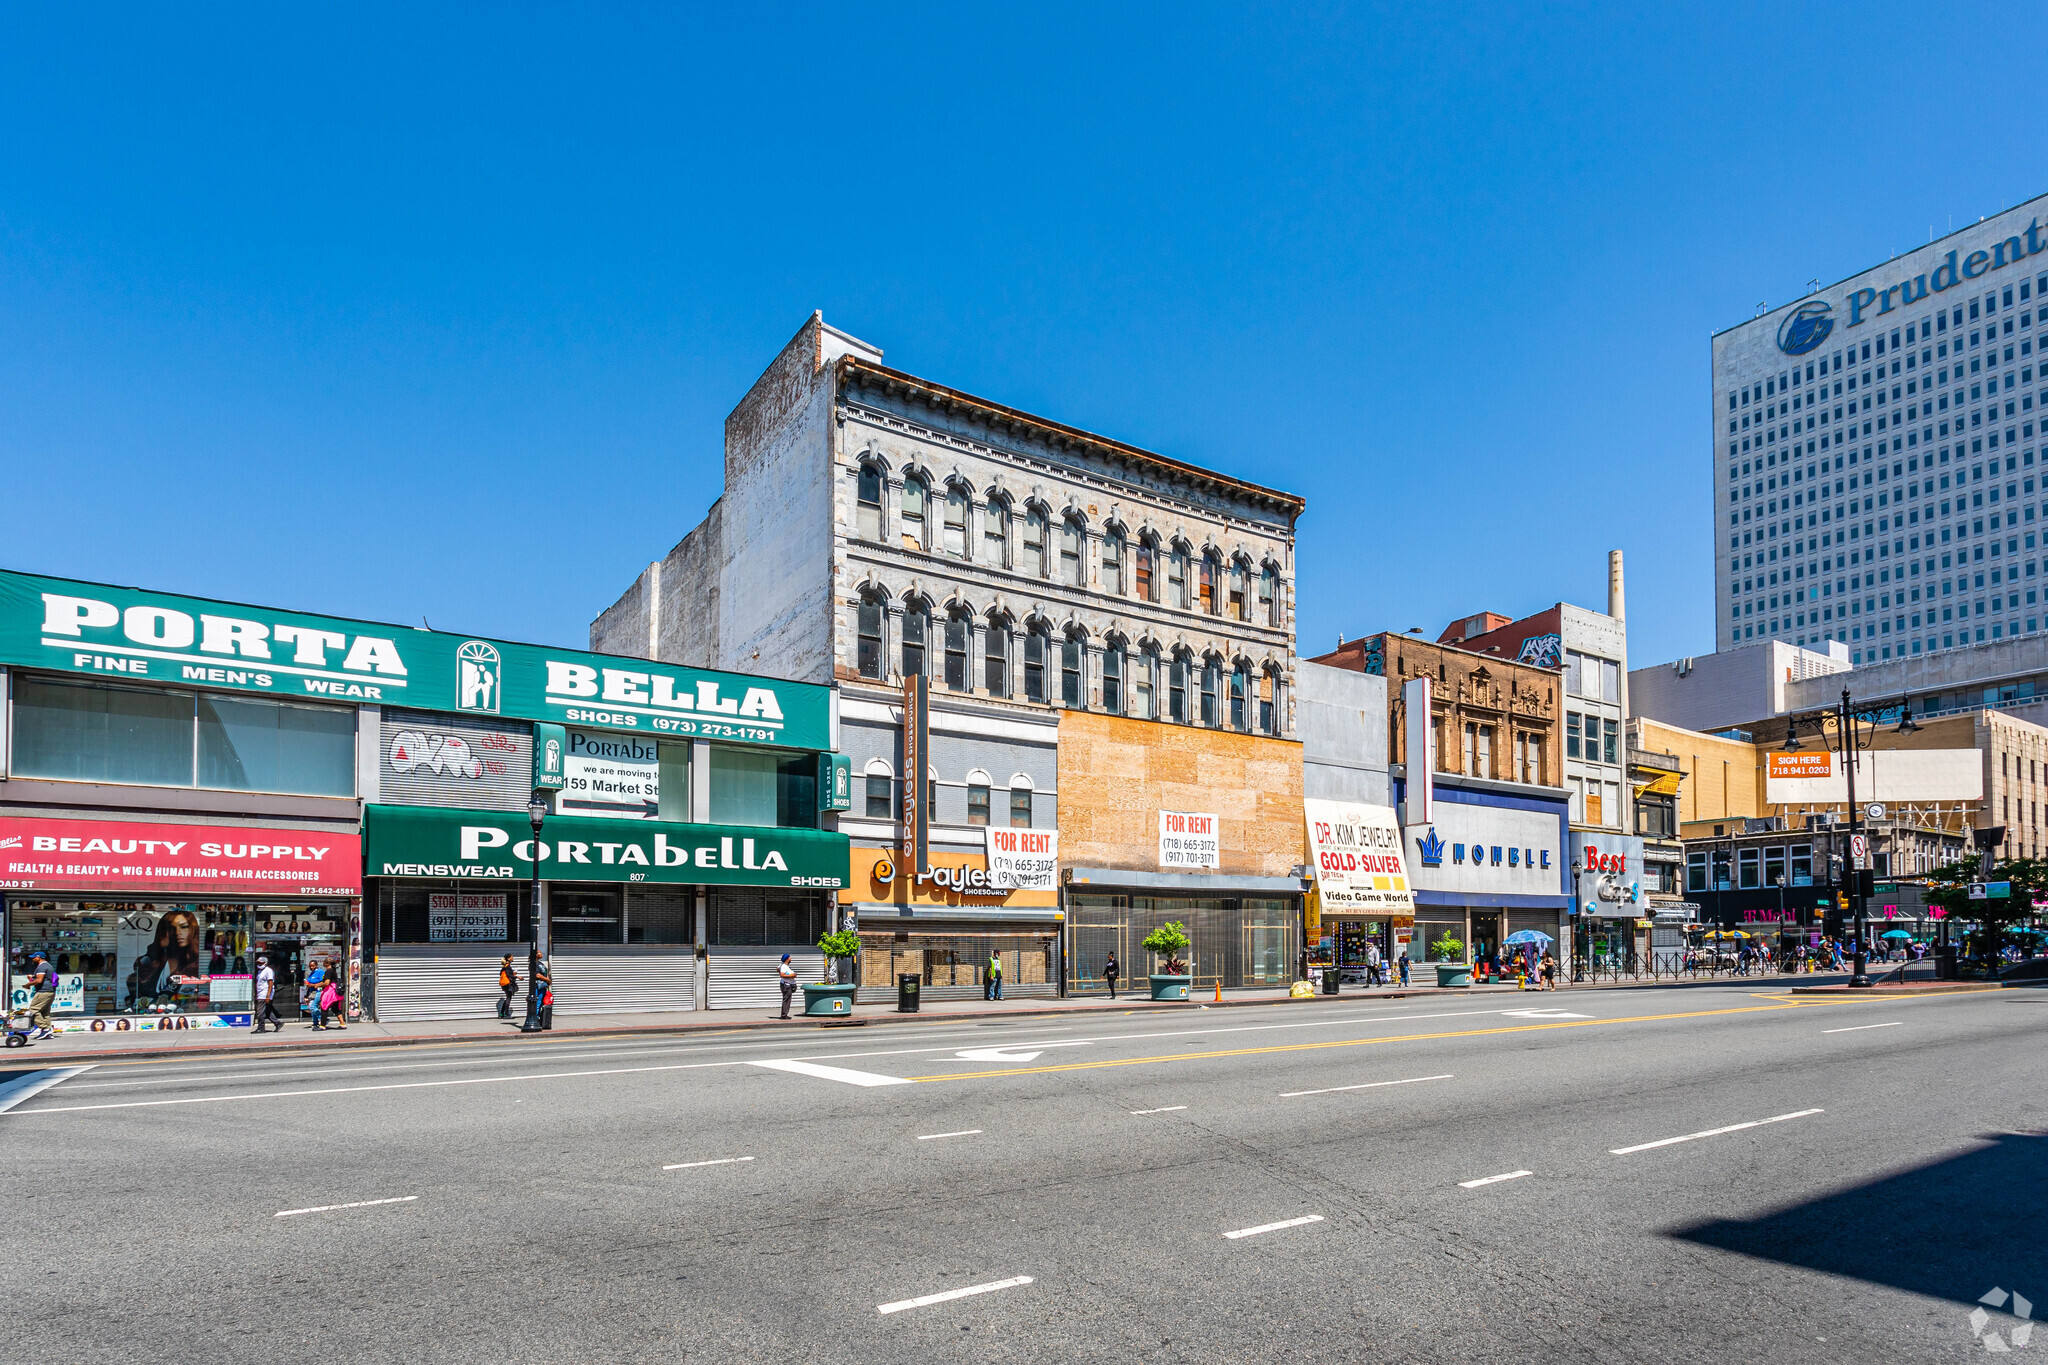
{"x": 1341, "y": 1042}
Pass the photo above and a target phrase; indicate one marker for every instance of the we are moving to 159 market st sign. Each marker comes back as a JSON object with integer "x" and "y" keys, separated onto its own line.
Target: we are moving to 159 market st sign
{"x": 66, "y": 626}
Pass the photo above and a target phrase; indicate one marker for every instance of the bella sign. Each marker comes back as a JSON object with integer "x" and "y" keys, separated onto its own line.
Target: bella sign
{"x": 90, "y": 628}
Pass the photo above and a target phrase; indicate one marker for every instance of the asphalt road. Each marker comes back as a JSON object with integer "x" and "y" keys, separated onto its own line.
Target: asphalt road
{"x": 589, "y": 1200}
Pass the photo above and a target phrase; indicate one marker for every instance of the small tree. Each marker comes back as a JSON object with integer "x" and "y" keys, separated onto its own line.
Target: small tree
{"x": 1949, "y": 888}
{"x": 1447, "y": 949}
{"x": 839, "y": 947}
{"x": 1169, "y": 941}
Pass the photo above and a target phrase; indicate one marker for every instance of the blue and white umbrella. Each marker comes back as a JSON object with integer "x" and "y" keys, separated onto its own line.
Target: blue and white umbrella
{"x": 1527, "y": 936}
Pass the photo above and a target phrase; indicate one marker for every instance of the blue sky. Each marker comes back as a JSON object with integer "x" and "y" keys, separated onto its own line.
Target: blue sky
{"x": 436, "y": 313}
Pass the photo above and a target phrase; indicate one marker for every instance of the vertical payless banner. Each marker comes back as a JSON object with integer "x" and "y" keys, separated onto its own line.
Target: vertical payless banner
{"x": 1189, "y": 838}
{"x": 1418, "y": 732}
{"x": 916, "y": 758}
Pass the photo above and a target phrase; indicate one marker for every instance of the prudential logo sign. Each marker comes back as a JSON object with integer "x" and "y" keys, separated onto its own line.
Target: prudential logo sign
{"x": 1806, "y": 327}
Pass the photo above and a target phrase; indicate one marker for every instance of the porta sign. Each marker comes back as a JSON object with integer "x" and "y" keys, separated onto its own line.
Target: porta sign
{"x": 89, "y": 628}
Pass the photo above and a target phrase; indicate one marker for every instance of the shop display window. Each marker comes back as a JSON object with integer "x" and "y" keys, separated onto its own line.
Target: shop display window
{"x": 1240, "y": 942}
{"x": 126, "y": 958}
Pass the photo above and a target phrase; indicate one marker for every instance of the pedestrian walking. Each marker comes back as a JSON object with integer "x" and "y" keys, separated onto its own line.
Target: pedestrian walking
{"x": 1110, "y": 972}
{"x": 1374, "y": 973}
{"x": 1549, "y": 970}
{"x": 316, "y": 985}
{"x": 42, "y": 993}
{"x": 330, "y": 1000}
{"x": 544, "y": 987}
{"x": 1404, "y": 966}
{"x": 993, "y": 988}
{"x": 508, "y": 985}
{"x": 266, "y": 996}
{"x": 787, "y": 976}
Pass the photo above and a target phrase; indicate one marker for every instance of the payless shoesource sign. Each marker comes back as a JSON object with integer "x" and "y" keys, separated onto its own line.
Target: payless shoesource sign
{"x": 65, "y": 626}
{"x": 420, "y": 841}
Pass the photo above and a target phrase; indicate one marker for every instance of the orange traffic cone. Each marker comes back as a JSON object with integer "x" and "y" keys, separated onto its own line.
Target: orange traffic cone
{"x": 1219, "y": 990}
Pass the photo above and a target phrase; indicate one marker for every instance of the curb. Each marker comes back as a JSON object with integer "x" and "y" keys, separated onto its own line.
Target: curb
{"x": 680, "y": 1029}
{"x": 1875, "y": 992}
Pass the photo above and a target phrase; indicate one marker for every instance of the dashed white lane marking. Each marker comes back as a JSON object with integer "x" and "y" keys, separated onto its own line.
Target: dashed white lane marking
{"x": 35, "y": 1083}
{"x": 358, "y": 1204}
{"x": 926, "y": 1300}
{"x": 1860, "y": 1027}
{"x": 1711, "y": 1132}
{"x": 1368, "y": 1085}
{"x": 1492, "y": 1179}
{"x": 1169, "y": 1109}
{"x": 1274, "y": 1227}
{"x": 964, "y": 1132}
{"x": 721, "y": 1161}
{"x": 1544, "y": 1014}
{"x": 833, "y": 1073}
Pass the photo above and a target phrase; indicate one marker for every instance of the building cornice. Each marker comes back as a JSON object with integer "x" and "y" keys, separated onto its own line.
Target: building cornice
{"x": 854, "y": 371}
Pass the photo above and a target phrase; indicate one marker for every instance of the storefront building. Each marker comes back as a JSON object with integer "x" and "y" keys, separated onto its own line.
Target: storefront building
{"x": 1161, "y": 823}
{"x": 1488, "y": 864}
{"x": 238, "y": 759}
{"x": 1612, "y": 915}
{"x": 878, "y": 529}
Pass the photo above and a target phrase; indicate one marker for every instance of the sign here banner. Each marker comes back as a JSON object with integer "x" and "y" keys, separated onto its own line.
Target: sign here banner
{"x": 1899, "y": 776}
{"x": 1356, "y": 852}
{"x": 66, "y": 626}
{"x": 421, "y": 841}
{"x": 116, "y": 855}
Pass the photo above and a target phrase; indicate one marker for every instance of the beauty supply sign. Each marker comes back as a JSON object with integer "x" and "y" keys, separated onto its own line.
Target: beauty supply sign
{"x": 1189, "y": 839}
{"x": 116, "y": 855}
{"x": 1356, "y": 852}
{"x": 64, "y": 626}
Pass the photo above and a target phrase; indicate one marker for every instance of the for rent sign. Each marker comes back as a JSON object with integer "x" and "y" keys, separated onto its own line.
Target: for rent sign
{"x": 1189, "y": 839}
{"x": 114, "y": 855}
{"x": 89, "y": 628}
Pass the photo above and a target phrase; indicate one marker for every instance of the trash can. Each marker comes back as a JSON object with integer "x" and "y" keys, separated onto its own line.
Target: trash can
{"x": 906, "y": 992}
{"x": 1329, "y": 981}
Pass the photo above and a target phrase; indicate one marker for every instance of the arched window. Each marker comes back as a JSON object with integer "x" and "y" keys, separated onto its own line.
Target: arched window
{"x": 995, "y": 533}
{"x": 977, "y": 797}
{"x": 1240, "y": 695}
{"x": 879, "y": 797}
{"x": 1142, "y": 566}
{"x": 1073, "y": 669}
{"x": 959, "y": 631}
{"x": 1113, "y": 676}
{"x": 1240, "y": 587}
{"x": 953, "y": 536}
{"x": 871, "y": 614}
{"x": 1177, "y": 576}
{"x": 1269, "y": 703}
{"x": 995, "y": 656}
{"x": 1034, "y": 663}
{"x": 1144, "y": 683}
{"x": 1072, "y": 572}
{"x": 1212, "y": 685}
{"x": 1177, "y": 687}
{"x": 1020, "y": 801}
{"x": 1033, "y": 560}
{"x": 1269, "y": 594}
{"x": 917, "y": 620}
{"x": 913, "y": 513}
{"x": 868, "y": 500}
{"x": 1113, "y": 561}
{"x": 1210, "y": 569}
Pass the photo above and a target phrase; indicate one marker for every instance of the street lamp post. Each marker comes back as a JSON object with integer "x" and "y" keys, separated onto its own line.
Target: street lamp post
{"x": 536, "y": 813}
{"x": 1582, "y": 951}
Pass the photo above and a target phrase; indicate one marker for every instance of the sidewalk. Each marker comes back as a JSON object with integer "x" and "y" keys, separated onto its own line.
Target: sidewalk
{"x": 73, "y": 1049}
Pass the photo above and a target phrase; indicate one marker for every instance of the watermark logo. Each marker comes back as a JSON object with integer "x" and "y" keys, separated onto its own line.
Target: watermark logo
{"x": 2014, "y": 1338}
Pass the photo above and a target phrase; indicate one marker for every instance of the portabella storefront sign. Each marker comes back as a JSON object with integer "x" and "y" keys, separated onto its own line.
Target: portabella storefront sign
{"x": 417, "y": 841}
{"x": 66, "y": 626}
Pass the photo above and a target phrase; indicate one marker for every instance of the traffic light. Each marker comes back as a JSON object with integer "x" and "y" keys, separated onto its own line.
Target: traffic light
{"x": 1866, "y": 882}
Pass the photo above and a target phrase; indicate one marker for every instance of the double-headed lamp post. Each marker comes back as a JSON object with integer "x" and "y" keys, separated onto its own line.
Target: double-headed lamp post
{"x": 1846, "y": 722}
{"x": 536, "y": 813}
